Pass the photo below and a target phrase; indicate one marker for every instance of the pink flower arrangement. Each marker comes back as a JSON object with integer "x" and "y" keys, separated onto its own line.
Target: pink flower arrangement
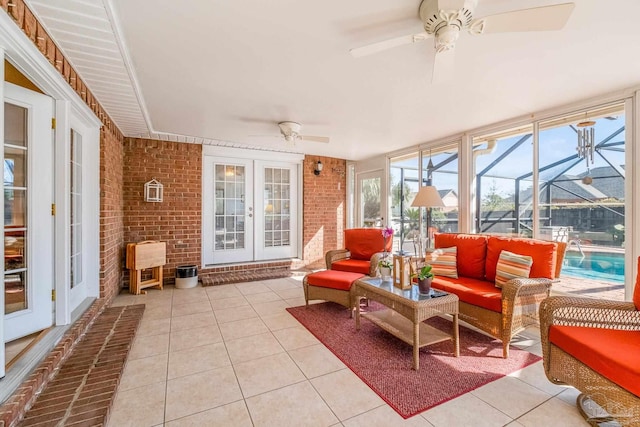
{"x": 387, "y": 232}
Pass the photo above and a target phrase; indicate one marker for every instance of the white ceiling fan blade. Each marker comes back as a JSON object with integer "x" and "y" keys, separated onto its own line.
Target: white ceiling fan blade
{"x": 443, "y": 66}
{"x": 546, "y": 18}
{"x": 314, "y": 138}
{"x": 388, "y": 44}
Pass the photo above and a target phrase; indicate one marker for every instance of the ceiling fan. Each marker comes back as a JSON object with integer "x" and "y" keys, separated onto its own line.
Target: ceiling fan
{"x": 443, "y": 20}
{"x": 291, "y": 133}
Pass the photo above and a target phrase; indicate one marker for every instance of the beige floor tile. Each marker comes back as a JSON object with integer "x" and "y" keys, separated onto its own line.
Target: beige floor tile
{"x": 281, "y": 284}
{"x": 124, "y": 299}
{"x": 139, "y": 407}
{"x": 221, "y": 304}
{"x": 234, "y": 414}
{"x": 222, "y": 292}
{"x": 553, "y": 412}
{"x": 266, "y": 374}
{"x": 233, "y": 314}
{"x": 535, "y": 349}
{"x": 534, "y": 375}
{"x": 270, "y": 308}
{"x": 297, "y": 302}
{"x": 145, "y": 371}
{"x": 160, "y": 311}
{"x": 243, "y": 328}
{"x": 316, "y": 360}
{"x": 189, "y": 296}
{"x": 262, "y": 297}
{"x": 249, "y": 288}
{"x": 153, "y": 327}
{"x": 466, "y": 410}
{"x": 292, "y": 293}
{"x": 191, "y": 308}
{"x": 253, "y": 347}
{"x": 511, "y": 396}
{"x": 295, "y": 405}
{"x": 385, "y": 416}
{"x": 280, "y": 321}
{"x": 194, "y": 337}
{"x": 189, "y": 321}
{"x": 514, "y": 424}
{"x": 569, "y": 395}
{"x": 200, "y": 392}
{"x": 297, "y": 337}
{"x": 197, "y": 359}
{"x": 346, "y": 394}
{"x": 145, "y": 346}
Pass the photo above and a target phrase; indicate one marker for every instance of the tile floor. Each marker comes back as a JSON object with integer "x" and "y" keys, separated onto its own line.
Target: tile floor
{"x": 232, "y": 355}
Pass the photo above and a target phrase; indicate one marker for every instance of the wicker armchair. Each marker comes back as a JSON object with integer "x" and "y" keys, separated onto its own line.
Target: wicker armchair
{"x": 363, "y": 249}
{"x": 562, "y": 368}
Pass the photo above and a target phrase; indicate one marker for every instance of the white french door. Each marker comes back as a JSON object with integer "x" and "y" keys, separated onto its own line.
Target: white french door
{"x": 228, "y": 211}
{"x": 276, "y": 219}
{"x": 371, "y": 206}
{"x": 28, "y": 223}
{"x": 250, "y": 206}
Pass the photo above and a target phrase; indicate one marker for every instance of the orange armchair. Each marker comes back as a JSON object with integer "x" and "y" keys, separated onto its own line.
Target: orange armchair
{"x": 363, "y": 250}
{"x": 594, "y": 346}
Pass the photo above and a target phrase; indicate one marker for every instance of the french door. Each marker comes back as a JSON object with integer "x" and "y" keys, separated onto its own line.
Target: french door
{"x": 28, "y": 223}
{"x": 250, "y": 208}
{"x": 369, "y": 199}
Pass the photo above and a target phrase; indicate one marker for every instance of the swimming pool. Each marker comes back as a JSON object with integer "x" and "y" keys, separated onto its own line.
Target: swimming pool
{"x": 608, "y": 267}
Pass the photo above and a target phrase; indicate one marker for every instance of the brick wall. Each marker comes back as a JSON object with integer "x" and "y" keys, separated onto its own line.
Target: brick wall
{"x": 177, "y": 220}
{"x": 324, "y": 208}
{"x": 111, "y": 217}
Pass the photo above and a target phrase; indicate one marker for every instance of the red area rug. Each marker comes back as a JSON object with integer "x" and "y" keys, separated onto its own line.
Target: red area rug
{"x": 384, "y": 362}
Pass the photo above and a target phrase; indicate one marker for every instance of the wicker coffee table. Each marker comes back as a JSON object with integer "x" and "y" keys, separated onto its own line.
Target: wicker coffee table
{"x": 407, "y": 310}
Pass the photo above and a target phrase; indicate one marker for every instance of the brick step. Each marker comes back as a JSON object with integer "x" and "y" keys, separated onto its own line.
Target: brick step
{"x": 84, "y": 386}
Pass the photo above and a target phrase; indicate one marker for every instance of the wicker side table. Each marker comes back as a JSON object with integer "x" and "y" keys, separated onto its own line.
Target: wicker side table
{"x": 407, "y": 310}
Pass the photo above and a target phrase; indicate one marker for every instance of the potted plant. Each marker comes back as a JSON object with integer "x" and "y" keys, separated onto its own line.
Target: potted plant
{"x": 424, "y": 276}
{"x": 384, "y": 265}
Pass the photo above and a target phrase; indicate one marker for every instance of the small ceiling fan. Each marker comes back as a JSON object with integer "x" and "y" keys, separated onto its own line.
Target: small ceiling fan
{"x": 443, "y": 20}
{"x": 291, "y": 133}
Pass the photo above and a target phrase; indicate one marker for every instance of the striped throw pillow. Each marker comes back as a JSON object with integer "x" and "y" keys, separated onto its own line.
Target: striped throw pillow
{"x": 512, "y": 265}
{"x": 443, "y": 261}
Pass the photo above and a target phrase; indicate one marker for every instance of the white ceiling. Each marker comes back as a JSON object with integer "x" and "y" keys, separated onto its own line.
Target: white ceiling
{"x": 223, "y": 71}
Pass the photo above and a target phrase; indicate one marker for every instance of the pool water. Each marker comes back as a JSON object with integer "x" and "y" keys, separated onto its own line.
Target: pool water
{"x": 608, "y": 267}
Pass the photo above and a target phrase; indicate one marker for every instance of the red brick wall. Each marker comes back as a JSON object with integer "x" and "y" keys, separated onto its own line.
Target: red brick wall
{"x": 324, "y": 208}
{"x": 177, "y": 220}
{"x": 111, "y": 217}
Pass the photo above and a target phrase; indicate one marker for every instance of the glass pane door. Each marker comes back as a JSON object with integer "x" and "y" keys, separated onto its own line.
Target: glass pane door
{"x": 15, "y": 208}
{"x": 232, "y": 210}
{"x": 277, "y": 223}
{"x": 370, "y": 199}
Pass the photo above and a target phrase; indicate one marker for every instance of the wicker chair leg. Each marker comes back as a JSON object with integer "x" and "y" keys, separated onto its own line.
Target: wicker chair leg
{"x": 505, "y": 349}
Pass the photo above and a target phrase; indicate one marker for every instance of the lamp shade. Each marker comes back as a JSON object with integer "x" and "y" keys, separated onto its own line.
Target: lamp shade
{"x": 428, "y": 197}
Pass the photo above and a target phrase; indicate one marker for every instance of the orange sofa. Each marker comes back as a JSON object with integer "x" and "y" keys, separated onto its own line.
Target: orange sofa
{"x": 502, "y": 313}
{"x": 363, "y": 250}
{"x": 594, "y": 345}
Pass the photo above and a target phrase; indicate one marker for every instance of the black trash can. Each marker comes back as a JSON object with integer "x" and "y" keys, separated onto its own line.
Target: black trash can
{"x": 186, "y": 276}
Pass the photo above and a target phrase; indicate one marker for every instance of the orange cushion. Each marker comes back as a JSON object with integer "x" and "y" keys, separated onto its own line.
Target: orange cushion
{"x": 636, "y": 291}
{"x": 472, "y": 250}
{"x": 364, "y": 242}
{"x": 333, "y": 279}
{"x": 472, "y": 291}
{"x": 354, "y": 265}
{"x": 612, "y": 353}
{"x": 543, "y": 254}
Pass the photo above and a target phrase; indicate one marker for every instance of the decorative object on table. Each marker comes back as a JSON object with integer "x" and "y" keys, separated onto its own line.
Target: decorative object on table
{"x": 424, "y": 277}
{"x": 428, "y": 197}
{"x": 385, "y": 266}
{"x": 153, "y": 191}
{"x": 388, "y": 369}
{"x": 402, "y": 271}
